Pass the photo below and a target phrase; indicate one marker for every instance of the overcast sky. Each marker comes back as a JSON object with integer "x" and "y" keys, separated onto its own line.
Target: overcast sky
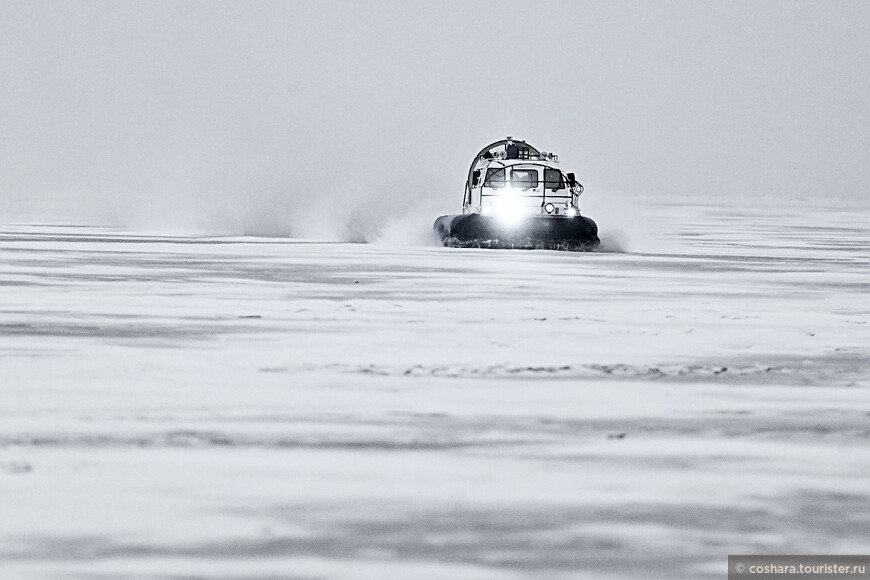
{"x": 237, "y": 112}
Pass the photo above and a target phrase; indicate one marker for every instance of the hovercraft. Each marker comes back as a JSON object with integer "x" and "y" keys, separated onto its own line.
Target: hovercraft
{"x": 517, "y": 197}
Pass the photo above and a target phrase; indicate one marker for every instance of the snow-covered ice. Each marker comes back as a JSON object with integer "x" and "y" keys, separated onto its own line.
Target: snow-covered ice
{"x": 195, "y": 407}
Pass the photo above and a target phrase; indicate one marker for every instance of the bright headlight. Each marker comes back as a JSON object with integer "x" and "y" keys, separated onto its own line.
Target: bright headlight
{"x": 570, "y": 212}
{"x": 549, "y": 208}
{"x": 509, "y": 208}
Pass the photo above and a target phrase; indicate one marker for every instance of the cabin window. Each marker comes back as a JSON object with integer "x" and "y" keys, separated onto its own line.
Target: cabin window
{"x": 524, "y": 178}
{"x": 494, "y": 177}
{"x": 553, "y": 179}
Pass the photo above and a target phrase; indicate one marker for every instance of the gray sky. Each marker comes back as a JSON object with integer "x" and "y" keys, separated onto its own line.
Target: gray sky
{"x": 240, "y": 115}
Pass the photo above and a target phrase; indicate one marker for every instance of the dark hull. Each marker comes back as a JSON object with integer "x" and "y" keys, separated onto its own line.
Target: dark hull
{"x": 550, "y": 233}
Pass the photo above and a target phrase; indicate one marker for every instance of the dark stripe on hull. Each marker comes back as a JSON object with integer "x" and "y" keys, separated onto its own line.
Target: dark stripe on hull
{"x": 551, "y": 233}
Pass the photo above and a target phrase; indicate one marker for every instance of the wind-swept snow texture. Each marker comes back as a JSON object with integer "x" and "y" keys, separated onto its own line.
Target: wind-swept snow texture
{"x": 177, "y": 407}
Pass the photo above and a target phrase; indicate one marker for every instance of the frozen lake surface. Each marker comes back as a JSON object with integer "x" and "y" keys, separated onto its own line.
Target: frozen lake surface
{"x": 188, "y": 407}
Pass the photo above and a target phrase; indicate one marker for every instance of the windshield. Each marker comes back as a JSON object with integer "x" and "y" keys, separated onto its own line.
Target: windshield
{"x": 494, "y": 177}
{"x": 553, "y": 179}
{"x": 524, "y": 178}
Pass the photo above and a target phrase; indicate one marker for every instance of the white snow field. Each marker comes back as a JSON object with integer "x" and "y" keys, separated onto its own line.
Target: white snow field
{"x": 185, "y": 407}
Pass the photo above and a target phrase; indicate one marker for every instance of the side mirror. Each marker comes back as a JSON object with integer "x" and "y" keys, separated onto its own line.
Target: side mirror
{"x": 475, "y": 178}
{"x": 572, "y": 180}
